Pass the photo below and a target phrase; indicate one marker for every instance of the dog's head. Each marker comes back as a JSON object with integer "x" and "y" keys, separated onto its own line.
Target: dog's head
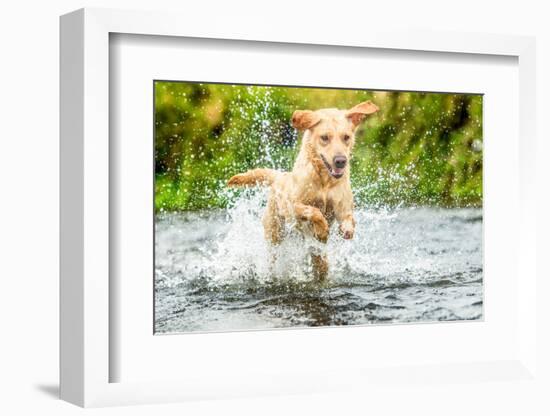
{"x": 330, "y": 133}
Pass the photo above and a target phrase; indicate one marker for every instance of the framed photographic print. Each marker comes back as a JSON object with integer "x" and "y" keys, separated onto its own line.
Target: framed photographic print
{"x": 286, "y": 222}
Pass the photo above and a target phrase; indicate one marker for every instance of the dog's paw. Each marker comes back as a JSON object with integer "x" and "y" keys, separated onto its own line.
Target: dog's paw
{"x": 348, "y": 235}
{"x": 320, "y": 227}
{"x": 347, "y": 230}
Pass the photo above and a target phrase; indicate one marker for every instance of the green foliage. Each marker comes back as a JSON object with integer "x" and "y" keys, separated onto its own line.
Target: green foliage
{"x": 419, "y": 149}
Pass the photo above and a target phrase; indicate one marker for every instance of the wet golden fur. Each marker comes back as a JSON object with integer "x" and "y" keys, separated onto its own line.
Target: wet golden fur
{"x": 316, "y": 192}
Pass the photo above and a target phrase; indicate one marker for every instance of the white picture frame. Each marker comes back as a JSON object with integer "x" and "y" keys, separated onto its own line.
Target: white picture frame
{"x": 85, "y": 221}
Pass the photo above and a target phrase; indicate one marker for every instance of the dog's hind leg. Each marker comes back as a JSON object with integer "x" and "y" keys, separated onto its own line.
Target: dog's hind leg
{"x": 319, "y": 225}
{"x": 273, "y": 231}
{"x": 273, "y": 223}
{"x": 319, "y": 264}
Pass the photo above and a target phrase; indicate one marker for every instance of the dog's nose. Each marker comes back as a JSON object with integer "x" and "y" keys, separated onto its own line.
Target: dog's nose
{"x": 340, "y": 161}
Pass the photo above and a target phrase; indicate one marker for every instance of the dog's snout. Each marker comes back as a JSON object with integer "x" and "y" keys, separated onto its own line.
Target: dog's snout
{"x": 340, "y": 161}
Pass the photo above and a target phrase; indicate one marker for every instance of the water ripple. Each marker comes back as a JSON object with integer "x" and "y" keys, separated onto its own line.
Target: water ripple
{"x": 213, "y": 270}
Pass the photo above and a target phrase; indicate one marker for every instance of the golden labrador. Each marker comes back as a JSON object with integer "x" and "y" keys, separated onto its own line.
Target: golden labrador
{"x": 317, "y": 191}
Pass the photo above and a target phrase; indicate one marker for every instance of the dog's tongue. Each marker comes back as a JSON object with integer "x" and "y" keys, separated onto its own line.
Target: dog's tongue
{"x": 338, "y": 171}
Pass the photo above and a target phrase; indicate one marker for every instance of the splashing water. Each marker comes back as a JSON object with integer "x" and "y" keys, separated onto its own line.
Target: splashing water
{"x": 214, "y": 270}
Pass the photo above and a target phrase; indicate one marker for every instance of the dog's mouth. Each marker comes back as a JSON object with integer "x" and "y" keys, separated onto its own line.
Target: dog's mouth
{"x": 333, "y": 171}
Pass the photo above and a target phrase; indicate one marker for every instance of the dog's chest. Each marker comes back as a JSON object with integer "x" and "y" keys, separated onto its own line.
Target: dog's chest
{"x": 321, "y": 198}
{"x": 324, "y": 204}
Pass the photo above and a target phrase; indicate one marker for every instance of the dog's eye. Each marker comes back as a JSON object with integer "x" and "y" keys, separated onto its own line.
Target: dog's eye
{"x": 325, "y": 138}
{"x": 346, "y": 137}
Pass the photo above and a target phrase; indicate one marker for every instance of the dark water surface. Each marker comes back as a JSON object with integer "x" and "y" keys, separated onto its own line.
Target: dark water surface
{"x": 213, "y": 273}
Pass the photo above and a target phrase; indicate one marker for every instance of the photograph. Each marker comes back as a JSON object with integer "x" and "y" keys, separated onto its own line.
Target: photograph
{"x": 307, "y": 206}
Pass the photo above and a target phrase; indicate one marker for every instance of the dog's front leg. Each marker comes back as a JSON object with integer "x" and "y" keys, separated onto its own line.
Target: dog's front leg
{"x": 347, "y": 227}
{"x": 343, "y": 213}
{"x": 313, "y": 217}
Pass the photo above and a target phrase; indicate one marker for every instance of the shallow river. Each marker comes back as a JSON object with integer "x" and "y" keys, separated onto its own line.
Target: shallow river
{"x": 213, "y": 271}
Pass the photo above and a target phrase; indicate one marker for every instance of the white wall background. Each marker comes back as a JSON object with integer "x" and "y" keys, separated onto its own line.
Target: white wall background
{"x": 29, "y": 205}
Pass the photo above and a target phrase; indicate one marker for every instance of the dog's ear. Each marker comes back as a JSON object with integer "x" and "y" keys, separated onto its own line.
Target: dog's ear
{"x": 304, "y": 119}
{"x": 358, "y": 113}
